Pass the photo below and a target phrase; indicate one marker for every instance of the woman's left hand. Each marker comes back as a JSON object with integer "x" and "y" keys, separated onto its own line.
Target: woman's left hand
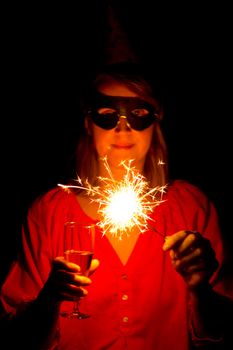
{"x": 192, "y": 256}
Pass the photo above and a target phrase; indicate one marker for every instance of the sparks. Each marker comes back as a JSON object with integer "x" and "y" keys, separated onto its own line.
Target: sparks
{"x": 123, "y": 204}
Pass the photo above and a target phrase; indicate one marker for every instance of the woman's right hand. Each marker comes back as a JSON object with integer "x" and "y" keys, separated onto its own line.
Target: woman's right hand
{"x": 65, "y": 281}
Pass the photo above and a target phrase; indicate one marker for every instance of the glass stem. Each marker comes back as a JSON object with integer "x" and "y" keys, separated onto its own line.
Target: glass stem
{"x": 76, "y": 307}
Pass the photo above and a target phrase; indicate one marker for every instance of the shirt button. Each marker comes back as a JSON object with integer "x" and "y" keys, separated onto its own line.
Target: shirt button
{"x": 124, "y": 297}
{"x": 125, "y": 319}
{"x": 124, "y": 277}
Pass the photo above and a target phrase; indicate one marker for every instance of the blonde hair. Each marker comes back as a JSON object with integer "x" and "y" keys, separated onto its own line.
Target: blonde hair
{"x": 155, "y": 168}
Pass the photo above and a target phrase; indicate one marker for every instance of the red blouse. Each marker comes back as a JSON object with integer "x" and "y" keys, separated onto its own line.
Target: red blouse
{"x": 141, "y": 305}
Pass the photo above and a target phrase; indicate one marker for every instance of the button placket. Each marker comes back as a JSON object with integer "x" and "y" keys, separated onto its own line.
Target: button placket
{"x": 124, "y": 300}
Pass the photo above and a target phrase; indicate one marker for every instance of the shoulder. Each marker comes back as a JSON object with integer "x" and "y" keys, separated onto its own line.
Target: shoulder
{"x": 188, "y": 204}
{"x": 53, "y": 199}
{"x": 182, "y": 190}
{"x": 189, "y": 199}
{"x": 53, "y": 195}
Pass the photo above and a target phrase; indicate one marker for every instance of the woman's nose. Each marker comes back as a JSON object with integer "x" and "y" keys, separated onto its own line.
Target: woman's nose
{"x": 123, "y": 124}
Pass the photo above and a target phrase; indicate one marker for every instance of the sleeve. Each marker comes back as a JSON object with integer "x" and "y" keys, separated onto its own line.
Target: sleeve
{"x": 205, "y": 220}
{"x": 30, "y": 271}
{"x": 210, "y": 229}
{"x": 198, "y": 213}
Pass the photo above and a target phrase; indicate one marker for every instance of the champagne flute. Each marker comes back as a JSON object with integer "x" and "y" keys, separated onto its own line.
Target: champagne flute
{"x": 79, "y": 241}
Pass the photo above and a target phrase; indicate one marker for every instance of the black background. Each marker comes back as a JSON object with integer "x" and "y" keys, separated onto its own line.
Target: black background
{"x": 47, "y": 52}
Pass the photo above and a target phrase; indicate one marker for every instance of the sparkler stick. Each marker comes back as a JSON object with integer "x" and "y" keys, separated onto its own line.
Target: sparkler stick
{"x": 123, "y": 204}
{"x": 156, "y": 231}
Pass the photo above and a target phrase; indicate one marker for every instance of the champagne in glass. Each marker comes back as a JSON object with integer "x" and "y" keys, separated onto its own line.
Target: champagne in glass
{"x": 78, "y": 248}
{"x": 81, "y": 258}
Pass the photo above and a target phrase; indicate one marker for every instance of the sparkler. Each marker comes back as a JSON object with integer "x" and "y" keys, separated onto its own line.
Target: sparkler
{"x": 123, "y": 204}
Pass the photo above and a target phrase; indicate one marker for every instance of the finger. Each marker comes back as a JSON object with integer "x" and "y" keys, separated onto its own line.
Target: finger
{"x": 72, "y": 285}
{"x": 191, "y": 254}
{"x": 72, "y": 293}
{"x": 195, "y": 262}
{"x": 75, "y": 279}
{"x": 63, "y": 285}
{"x": 196, "y": 245}
{"x": 61, "y": 263}
{"x": 192, "y": 242}
{"x": 94, "y": 265}
{"x": 199, "y": 267}
{"x": 189, "y": 260}
{"x": 174, "y": 240}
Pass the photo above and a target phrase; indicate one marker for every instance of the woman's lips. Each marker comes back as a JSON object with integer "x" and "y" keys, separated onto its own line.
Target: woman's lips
{"x": 122, "y": 146}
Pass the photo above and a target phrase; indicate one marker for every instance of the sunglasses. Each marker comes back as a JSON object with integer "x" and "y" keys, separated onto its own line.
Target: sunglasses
{"x": 107, "y": 111}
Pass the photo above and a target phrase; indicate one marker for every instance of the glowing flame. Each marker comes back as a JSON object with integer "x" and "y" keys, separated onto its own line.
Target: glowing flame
{"x": 123, "y": 204}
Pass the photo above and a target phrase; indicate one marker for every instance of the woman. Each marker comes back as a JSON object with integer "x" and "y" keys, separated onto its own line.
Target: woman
{"x": 142, "y": 292}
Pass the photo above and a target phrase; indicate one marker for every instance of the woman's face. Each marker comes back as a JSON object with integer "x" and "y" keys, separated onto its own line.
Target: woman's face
{"x": 121, "y": 142}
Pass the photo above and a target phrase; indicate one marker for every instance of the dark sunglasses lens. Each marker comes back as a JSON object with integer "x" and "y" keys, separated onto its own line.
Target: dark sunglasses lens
{"x": 141, "y": 123}
{"x": 105, "y": 121}
{"x": 109, "y": 121}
